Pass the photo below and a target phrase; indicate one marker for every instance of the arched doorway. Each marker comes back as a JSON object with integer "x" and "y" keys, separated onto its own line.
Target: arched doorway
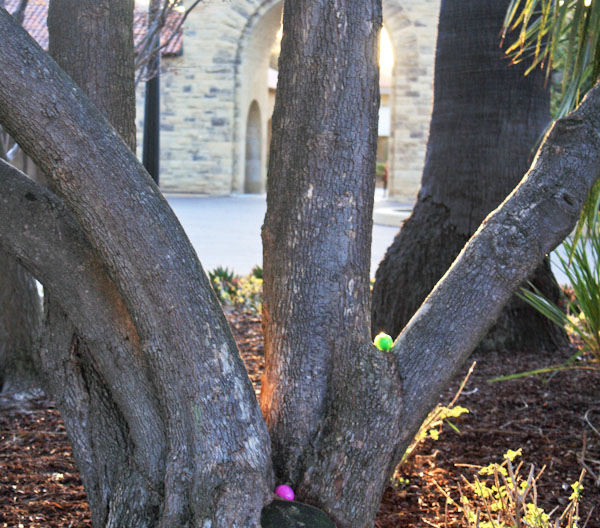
{"x": 406, "y": 88}
{"x": 253, "y": 171}
{"x": 251, "y": 86}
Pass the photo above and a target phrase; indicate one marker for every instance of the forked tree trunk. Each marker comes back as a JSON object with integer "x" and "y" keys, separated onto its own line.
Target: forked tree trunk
{"x": 161, "y": 411}
{"x": 321, "y": 371}
{"x": 335, "y": 405}
{"x": 487, "y": 117}
{"x": 162, "y": 416}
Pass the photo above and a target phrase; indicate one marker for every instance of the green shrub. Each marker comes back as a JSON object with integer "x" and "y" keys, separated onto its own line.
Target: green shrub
{"x": 499, "y": 496}
{"x": 257, "y": 272}
{"x": 224, "y": 283}
{"x": 249, "y": 294}
{"x": 242, "y": 292}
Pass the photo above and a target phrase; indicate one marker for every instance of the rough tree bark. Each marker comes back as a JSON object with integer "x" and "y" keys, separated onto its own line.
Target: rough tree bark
{"x": 86, "y": 34}
{"x": 156, "y": 370}
{"x": 20, "y": 315}
{"x": 316, "y": 239}
{"x": 102, "y": 36}
{"x": 487, "y": 117}
{"x": 99, "y": 34}
{"x": 156, "y": 374}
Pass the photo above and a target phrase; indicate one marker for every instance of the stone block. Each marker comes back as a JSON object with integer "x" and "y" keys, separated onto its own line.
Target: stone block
{"x": 293, "y": 514}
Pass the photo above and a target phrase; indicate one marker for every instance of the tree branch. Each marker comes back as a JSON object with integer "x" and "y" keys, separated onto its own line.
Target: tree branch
{"x": 19, "y": 14}
{"x": 504, "y": 251}
{"x": 144, "y": 250}
{"x": 146, "y": 50}
{"x": 40, "y": 232}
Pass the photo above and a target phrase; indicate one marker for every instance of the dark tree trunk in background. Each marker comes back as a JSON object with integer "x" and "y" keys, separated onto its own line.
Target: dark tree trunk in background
{"x": 20, "y": 321}
{"x": 20, "y": 310}
{"x": 322, "y": 373}
{"x": 487, "y": 117}
{"x": 84, "y": 35}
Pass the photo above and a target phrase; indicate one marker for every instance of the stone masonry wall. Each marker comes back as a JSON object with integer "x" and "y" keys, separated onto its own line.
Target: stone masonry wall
{"x": 207, "y": 92}
{"x": 413, "y": 30}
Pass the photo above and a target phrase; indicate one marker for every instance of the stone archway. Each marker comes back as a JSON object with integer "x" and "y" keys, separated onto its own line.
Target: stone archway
{"x": 254, "y": 50}
{"x": 254, "y": 167}
{"x": 413, "y": 30}
{"x": 206, "y": 95}
{"x": 412, "y": 27}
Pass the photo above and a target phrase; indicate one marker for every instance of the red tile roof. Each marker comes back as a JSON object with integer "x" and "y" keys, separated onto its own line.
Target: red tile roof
{"x": 37, "y": 13}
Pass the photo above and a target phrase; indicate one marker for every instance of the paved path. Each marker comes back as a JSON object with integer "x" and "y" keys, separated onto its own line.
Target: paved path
{"x": 225, "y": 230}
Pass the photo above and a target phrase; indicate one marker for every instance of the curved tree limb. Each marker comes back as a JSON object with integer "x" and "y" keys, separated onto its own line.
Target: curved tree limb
{"x": 510, "y": 243}
{"x": 37, "y": 229}
{"x": 219, "y": 449}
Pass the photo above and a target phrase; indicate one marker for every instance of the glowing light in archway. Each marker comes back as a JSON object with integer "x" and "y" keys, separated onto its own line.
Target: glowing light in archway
{"x": 386, "y": 51}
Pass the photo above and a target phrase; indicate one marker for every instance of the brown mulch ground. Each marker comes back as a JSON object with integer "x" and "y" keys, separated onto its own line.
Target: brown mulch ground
{"x": 40, "y": 487}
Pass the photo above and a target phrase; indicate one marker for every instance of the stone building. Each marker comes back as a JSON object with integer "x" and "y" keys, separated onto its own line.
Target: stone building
{"x": 215, "y": 96}
{"x": 217, "y": 92}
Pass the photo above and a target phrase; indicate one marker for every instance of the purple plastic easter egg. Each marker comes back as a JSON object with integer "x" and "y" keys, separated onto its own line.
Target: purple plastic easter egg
{"x": 285, "y": 492}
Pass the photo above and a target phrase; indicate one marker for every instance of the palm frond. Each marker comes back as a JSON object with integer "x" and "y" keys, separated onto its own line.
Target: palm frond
{"x": 562, "y": 36}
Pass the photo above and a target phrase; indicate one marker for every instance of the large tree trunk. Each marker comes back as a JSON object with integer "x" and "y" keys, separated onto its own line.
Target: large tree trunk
{"x": 487, "y": 117}
{"x": 20, "y": 315}
{"x": 321, "y": 371}
{"x": 162, "y": 416}
{"x": 161, "y": 411}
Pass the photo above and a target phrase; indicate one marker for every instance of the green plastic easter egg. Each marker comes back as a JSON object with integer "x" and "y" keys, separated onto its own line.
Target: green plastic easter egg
{"x": 383, "y": 341}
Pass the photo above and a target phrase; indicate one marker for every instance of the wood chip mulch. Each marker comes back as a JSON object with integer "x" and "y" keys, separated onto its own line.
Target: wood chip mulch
{"x": 40, "y": 486}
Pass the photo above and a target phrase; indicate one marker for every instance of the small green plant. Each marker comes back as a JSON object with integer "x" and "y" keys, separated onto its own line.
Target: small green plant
{"x": 499, "y": 496}
{"x": 441, "y": 414}
{"x": 223, "y": 281}
{"x": 224, "y": 274}
{"x": 257, "y": 272}
{"x": 399, "y": 482}
{"x": 242, "y": 292}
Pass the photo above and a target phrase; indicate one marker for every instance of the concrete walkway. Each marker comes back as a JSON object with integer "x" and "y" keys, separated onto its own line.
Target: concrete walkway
{"x": 225, "y": 230}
